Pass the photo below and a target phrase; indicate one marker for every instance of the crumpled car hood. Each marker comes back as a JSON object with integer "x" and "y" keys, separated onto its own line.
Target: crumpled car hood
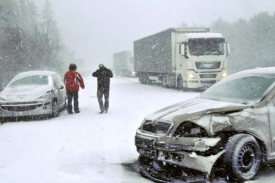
{"x": 24, "y": 93}
{"x": 193, "y": 108}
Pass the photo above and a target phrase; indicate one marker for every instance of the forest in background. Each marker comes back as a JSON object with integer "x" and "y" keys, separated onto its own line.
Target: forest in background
{"x": 29, "y": 40}
{"x": 252, "y": 41}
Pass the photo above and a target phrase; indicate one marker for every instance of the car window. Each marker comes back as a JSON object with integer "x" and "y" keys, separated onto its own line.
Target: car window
{"x": 245, "y": 90}
{"x": 31, "y": 80}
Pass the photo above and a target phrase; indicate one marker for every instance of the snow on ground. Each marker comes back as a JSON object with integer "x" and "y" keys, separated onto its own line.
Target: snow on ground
{"x": 88, "y": 147}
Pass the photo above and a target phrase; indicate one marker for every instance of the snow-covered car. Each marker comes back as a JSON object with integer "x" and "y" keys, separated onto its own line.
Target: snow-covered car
{"x": 230, "y": 128}
{"x": 33, "y": 93}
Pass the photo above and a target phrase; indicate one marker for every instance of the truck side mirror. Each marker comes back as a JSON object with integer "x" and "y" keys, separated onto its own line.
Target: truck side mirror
{"x": 228, "y": 48}
{"x": 183, "y": 50}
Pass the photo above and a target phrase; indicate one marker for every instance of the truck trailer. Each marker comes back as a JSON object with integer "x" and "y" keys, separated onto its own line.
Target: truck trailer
{"x": 181, "y": 58}
{"x": 123, "y": 64}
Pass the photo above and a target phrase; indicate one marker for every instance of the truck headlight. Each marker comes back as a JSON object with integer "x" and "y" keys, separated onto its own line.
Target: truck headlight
{"x": 224, "y": 74}
{"x": 192, "y": 76}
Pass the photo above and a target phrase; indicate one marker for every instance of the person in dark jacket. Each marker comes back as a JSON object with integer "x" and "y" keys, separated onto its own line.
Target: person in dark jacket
{"x": 103, "y": 75}
{"x": 73, "y": 80}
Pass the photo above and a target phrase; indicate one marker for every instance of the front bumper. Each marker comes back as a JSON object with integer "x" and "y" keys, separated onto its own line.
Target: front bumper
{"x": 185, "y": 156}
{"x": 28, "y": 108}
{"x": 190, "y": 160}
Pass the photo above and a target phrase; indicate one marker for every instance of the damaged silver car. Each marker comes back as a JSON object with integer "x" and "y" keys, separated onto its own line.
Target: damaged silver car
{"x": 229, "y": 127}
{"x": 33, "y": 93}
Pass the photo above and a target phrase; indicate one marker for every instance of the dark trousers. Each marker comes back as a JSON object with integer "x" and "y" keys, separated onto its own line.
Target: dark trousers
{"x": 72, "y": 96}
{"x": 103, "y": 92}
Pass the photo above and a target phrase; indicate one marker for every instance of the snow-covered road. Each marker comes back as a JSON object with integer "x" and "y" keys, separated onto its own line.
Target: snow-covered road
{"x": 87, "y": 147}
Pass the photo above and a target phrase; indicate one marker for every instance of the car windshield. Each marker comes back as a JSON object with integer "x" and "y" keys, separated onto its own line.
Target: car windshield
{"x": 210, "y": 46}
{"x": 245, "y": 90}
{"x": 31, "y": 80}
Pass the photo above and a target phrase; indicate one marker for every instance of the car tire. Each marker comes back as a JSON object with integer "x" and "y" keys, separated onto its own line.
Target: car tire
{"x": 65, "y": 104}
{"x": 242, "y": 157}
{"x": 55, "y": 110}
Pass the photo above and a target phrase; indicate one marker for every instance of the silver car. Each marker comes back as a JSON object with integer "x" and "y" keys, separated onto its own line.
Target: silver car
{"x": 33, "y": 93}
{"x": 229, "y": 129}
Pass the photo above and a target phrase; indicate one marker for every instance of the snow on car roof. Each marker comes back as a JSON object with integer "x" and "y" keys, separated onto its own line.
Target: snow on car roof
{"x": 264, "y": 70}
{"x": 31, "y": 73}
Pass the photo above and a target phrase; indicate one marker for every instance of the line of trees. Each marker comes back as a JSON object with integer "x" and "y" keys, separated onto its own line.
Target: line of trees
{"x": 252, "y": 41}
{"x": 29, "y": 40}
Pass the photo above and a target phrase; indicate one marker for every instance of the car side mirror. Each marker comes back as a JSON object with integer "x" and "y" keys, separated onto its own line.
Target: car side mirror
{"x": 61, "y": 87}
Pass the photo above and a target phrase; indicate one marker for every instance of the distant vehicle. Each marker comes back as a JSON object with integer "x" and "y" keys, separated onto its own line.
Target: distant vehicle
{"x": 181, "y": 58}
{"x": 123, "y": 64}
{"x": 229, "y": 128}
{"x": 33, "y": 93}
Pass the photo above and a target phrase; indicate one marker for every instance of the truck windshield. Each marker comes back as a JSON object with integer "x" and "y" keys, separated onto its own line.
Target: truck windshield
{"x": 206, "y": 46}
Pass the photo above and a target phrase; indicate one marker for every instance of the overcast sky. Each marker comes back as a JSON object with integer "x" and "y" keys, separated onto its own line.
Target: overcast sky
{"x": 96, "y": 29}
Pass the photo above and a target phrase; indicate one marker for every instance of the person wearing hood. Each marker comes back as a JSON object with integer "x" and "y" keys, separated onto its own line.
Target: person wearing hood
{"x": 73, "y": 80}
{"x": 103, "y": 75}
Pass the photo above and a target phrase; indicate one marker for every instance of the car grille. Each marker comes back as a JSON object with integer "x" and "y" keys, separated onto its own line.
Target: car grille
{"x": 156, "y": 127}
{"x": 208, "y": 75}
{"x": 208, "y": 65}
{"x": 21, "y": 103}
{"x": 20, "y": 108}
{"x": 144, "y": 143}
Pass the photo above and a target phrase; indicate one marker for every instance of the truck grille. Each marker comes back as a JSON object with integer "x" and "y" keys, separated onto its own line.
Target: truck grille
{"x": 208, "y": 75}
{"x": 208, "y": 82}
{"x": 156, "y": 127}
{"x": 208, "y": 65}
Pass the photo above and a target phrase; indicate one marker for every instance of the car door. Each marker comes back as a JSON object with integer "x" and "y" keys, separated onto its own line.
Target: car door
{"x": 61, "y": 90}
{"x": 271, "y": 109}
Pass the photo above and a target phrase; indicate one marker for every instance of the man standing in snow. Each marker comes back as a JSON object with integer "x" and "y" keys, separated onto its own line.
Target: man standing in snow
{"x": 73, "y": 80}
{"x": 103, "y": 75}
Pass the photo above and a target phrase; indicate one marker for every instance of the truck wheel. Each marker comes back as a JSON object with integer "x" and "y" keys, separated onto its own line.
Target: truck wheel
{"x": 179, "y": 83}
{"x": 164, "y": 81}
{"x": 242, "y": 156}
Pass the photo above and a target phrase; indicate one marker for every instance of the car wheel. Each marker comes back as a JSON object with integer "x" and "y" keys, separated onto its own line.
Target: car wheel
{"x": 55, "y": 110}
{"x": 242, "y": 156}
{"x": 65, "y": 104}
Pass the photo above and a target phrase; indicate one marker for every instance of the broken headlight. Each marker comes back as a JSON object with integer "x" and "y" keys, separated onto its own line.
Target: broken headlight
{"x": 189, "y": 129}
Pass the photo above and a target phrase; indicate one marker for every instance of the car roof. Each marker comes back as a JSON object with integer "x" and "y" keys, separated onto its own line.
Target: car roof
{"x": 264, "y": 70}
{"x": 30, "y": 73}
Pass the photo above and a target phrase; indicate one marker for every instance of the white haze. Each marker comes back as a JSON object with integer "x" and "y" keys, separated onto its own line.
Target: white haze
{"x": 96, "y": 29}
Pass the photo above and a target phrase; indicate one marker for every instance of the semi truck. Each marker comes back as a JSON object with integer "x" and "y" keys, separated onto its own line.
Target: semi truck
{"x": 183, "y": 58}
{"x": 123, "y": 64}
